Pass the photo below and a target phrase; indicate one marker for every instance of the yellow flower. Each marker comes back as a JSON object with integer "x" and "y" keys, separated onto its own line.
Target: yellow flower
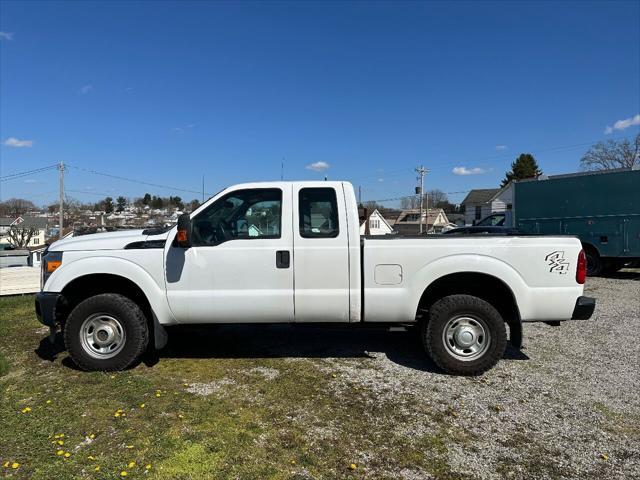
{"x": 131, "y": 464}
{"x": 15, "y": 465}
{"x": 147, "y": 467}
{"x": 48, "y": 402}
{"x": 60, "y": 452}
{"x": 142, "y": 405}
{"x": 5, "y": 464}
{"x": 112, "y": 376}
{"x": 604, "y": 457}
{"x": 26, "y": 409}
{"x": 185, "y": 384}
{"x": 123, "y": 473}
{"x": 353, "y": 466}
{"x": 97, "y": 469}
{"x": 60, "y": 442}
{"x": 91, "y": 457}
{"x": 157, "y": 394}
{"x": 67, "y": 454}
{"x": 117, "y": 414}
{"x": 180, "y": 416}
{"x": 92, "y": 436}
{"x": 129, "y": 446}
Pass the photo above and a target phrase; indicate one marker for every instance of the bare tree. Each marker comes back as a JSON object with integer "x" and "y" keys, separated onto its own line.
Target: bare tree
{"x": 410, "y": 202}
{"x": 19, "y": 237}
{"x": 612, "y": 154}
{"x": 15, "y": 207}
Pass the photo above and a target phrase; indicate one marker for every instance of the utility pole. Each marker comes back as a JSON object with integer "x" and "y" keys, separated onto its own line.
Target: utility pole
{"x": 61, "y": 169}
{"x": 282, "y": 169}
{"x": 203, "y": 188}
{"x": 421, "y": 171}
{"x": 359, "y": 194}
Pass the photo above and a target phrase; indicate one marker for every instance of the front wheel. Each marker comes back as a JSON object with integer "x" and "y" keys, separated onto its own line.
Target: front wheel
{"x": 106, "y": 332}
{"x": 464, "y": 335}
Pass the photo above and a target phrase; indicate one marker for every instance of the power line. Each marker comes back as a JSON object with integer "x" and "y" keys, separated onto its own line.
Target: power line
{"x": 132, "y": 180}
{"x": 14, "y": 176}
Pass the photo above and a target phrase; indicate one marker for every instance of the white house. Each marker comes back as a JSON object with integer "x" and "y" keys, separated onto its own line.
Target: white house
{"x": 378, "y": 225}
{"x": 39, "y": 223}
{"x": 481, "y": 203}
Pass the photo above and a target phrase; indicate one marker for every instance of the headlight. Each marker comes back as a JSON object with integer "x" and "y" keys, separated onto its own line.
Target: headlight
{"x": 50, "y": 262}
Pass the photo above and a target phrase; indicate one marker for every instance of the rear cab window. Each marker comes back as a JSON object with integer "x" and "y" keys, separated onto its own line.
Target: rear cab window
{"x": 318, "y": 213}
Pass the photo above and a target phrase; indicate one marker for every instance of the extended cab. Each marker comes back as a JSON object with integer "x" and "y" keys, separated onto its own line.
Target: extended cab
{"x": 292, "y": 252}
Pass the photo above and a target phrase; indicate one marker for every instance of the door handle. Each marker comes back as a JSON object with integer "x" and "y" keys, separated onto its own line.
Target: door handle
{"x": 282, "y": 259}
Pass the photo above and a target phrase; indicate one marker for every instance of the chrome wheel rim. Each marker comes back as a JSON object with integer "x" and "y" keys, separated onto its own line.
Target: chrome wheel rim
{"x": 466, "y": 338}
{"x": 102, "y": 336}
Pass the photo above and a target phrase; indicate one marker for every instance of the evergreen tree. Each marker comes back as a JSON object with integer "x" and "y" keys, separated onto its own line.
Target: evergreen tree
{"x": 525, "y": 166}
{"x": 108, "y": 205}
{"x": 121, "y": 202}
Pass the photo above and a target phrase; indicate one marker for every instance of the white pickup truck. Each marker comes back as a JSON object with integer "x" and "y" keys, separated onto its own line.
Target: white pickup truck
{"x": 292, "y": 252}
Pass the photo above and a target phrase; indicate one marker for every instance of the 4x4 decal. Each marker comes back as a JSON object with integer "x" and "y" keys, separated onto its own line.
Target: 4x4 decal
{"x": 557, "y": 263}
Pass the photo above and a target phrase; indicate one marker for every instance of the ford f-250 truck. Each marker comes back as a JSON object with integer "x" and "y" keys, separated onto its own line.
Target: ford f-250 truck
{"x": 292, "y": 252}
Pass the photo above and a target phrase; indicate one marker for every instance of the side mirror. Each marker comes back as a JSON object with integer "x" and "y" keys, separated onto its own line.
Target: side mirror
{"x": 183, "y": 237}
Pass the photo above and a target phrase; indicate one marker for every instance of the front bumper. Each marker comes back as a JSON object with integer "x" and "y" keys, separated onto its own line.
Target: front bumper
{"x": 46, "y": 307}
{"x": 584, "y": 308}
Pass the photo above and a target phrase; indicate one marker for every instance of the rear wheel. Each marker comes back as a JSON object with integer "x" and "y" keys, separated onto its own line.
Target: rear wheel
{"x": 464, "y": 335}
{"x": 594, "y": 263}
{"x": 106, "y": 332}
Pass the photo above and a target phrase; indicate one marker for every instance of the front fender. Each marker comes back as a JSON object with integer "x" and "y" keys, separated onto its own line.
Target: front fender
{"x": 103, "y": 264}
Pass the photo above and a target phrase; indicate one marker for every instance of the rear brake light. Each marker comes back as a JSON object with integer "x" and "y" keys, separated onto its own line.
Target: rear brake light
{"x": 581, "y": 270}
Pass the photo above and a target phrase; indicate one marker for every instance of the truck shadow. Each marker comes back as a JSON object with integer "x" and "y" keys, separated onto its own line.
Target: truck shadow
{"x": 302, "y": 341}
{"x": 283, "y": 341}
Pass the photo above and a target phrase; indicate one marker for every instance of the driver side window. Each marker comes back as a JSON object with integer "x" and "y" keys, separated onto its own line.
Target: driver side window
{"x": 243, "y": 214}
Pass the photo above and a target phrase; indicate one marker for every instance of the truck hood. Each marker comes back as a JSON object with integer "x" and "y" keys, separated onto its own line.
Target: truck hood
{"x": 103, "y": 241}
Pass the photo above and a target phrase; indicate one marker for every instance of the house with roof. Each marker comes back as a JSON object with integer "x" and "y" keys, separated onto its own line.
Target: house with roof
{"x": 408, "y": 222}
{"x": 373, "y": 223}
{"x": 481, "y": 203}
{"x": 37, "y": 223}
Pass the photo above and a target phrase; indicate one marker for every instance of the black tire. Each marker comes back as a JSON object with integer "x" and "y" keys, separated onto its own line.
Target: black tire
{"x": 449, "y": 310}
{"x": 594, "y": 263}
{"x": 129, "y": 318}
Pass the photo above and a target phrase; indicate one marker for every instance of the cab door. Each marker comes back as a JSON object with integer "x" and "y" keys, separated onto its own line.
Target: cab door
{"x": 321, "y": 261}
{"x": 239, "y": 267}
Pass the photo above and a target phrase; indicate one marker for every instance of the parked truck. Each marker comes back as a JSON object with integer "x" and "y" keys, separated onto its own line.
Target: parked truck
{"x": 292, "y": 252}
{"x": 601, "y": 208}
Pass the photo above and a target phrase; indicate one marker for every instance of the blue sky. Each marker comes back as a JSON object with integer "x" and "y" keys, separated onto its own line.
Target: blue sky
{"x": 169, "y": 91}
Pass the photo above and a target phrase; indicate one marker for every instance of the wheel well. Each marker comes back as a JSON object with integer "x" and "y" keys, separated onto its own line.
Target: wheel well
{"x": 87, "y": 286}
{"x": 487, "y": 287}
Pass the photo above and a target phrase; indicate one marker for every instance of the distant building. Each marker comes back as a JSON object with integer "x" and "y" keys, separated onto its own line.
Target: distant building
{"x": 39, "y": 223}
{"x": 373, "y": 223}
{"x": 408, "y": 222}
{"x": 477, "y": 204}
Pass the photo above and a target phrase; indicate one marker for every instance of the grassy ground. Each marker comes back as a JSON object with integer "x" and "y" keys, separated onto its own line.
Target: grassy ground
{"x": 196, "y": 418}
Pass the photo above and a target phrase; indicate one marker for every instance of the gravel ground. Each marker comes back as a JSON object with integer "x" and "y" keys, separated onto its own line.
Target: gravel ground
{"x": 567, "y": 407}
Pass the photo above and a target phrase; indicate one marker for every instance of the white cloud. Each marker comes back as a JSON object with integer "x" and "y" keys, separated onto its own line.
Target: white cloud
{"x": 468, "y": 171}
{"x": 16, "y": 143}
{"x": 318, "y": 166}
{"x": 501, "y": 147}
{"x": 6, "y": 35}
{"x": 623, "y": 124}
{"x": 182, "y": 129}
{"x": 85, "y": 89}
